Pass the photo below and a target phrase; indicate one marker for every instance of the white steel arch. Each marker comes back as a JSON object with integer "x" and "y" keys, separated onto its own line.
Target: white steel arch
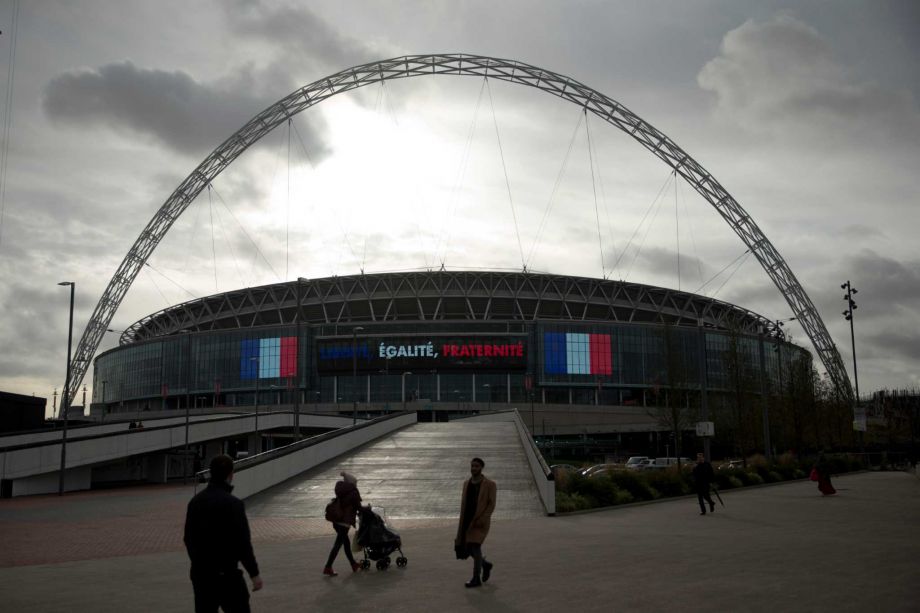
{"x": 511, "y": 71}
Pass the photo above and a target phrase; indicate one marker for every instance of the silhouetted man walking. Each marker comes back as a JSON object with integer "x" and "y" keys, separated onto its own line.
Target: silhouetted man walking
{"x": 217, "y": 539}
{"x": 476, "y": 506}
{"x": 703, "y": 476}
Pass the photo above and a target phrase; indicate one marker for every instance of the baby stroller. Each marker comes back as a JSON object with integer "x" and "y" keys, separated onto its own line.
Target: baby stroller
{"x": 378, "y": 540}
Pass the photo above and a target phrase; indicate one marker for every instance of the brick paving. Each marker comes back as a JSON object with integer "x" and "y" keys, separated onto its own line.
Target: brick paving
{"x": 780, "y": 548}
{"x": 124, "y": 522}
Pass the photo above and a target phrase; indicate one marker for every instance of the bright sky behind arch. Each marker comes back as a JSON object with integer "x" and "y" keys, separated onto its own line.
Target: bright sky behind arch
{"x": 809, "y": 119}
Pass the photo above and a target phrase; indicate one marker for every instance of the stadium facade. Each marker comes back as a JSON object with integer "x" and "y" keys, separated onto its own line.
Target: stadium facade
{"x": 465, "y": 338}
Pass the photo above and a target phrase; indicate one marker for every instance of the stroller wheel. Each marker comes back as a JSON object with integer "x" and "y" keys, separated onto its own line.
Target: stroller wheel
{"x": 401, "y": 561}
{"x": 365, "y": 564}
{"x": 381, "y": 564}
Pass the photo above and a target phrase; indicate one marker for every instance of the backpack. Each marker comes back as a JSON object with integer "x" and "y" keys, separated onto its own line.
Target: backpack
{"x": 334, "y": 511}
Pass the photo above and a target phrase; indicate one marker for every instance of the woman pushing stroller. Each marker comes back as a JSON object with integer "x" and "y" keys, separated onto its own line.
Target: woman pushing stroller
{"x": 342, "y": 512}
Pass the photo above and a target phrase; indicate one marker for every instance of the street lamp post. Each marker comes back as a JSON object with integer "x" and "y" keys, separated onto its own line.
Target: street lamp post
{"x": 354, "y": 374}
{"x": 65, "y": 396}
{"x": 488, "y": 387}
{"x": 404, "y": 388}
{"x": 103, "y": 399}
{"x": 188, "y": 399}
{"x": 256, "y": 432}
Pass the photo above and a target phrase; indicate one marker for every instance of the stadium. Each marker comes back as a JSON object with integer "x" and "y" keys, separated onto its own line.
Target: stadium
{"x": 445, "y": 341}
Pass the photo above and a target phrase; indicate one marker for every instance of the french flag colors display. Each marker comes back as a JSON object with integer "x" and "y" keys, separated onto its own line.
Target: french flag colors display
{"x": 576, "y": 354}
{"x": 271, "y": 358}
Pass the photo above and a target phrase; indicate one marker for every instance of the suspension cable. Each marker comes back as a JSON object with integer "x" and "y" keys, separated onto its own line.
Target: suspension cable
{"x": 677, "y": 228}
{"x": 696, "y": 252}
{"x": 711, "y": 279}
{"x": 166, "y": 300}
{"x": 8, "y": 113}
{"x": 747, "y": 254}
{"x": 243, "y": 228}
{"x": 213, "y": 247}
{"x": 656, "y": 201}
{"x": 507, "y": 181}
{"x": 306, "y": 154}
{"x": 287, "y": 229}
{"x": 443, "y": 234}
{"x": 162, "y": 274}
{"x": 226, "y": 236}
{"x": 552, "y": 195}
{"x": 597, "y": 216}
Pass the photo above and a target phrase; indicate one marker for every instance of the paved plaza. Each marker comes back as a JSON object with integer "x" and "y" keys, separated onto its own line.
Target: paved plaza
{"x": 777, "y": 548}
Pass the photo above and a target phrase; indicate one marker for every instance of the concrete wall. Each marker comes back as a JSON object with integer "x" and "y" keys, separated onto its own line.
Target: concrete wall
{"x": 250, "y": 480}
{"x": 74, "y": 479}
{"x": 538, "y": 467}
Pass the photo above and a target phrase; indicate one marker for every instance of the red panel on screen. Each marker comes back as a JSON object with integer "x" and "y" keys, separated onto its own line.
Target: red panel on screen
{"x": 600, "y": 354}
{"x": 288, "y": 356}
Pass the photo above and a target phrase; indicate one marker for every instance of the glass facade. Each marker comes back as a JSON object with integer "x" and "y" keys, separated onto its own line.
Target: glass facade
{"x": 463, "y": 362}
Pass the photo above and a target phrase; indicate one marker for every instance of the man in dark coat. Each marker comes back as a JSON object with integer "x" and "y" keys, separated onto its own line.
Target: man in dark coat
{"x": 217, "y": 539}
{"x": 476, "y": 506}
{"x": 703, "y": 476}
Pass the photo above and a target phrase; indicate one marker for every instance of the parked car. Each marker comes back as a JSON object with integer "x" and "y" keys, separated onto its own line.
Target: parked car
{"x": 587, "y": 472}
{"x": 562, "y": 468}
{"x": 634, "y": 462}
{"x": 731, "y": 464}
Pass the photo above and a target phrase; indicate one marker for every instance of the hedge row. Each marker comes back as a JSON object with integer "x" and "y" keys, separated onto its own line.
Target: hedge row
{"x": 576, "y": 493}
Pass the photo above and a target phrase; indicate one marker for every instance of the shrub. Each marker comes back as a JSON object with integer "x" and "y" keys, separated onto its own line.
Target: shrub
{"x": 757, "y": 461}
{"x": 774, "y": 477}
{"x": 754, "y": 479}
{"x": 734, "y": 481}
{"x": 602, "y": 489}
{"x": 636, "y": 484}
{"x": 742, "y": 476}
{"x": 566, "y": 503}
{"x": 798, "y": 474}
{"x": 670, "y": 482}
{"x": 787, "y": 460}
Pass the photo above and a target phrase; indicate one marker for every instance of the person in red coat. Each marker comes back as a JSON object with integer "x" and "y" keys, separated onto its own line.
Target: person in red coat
{"x": 347, "y": 501}
{"x": 476, "y": 506}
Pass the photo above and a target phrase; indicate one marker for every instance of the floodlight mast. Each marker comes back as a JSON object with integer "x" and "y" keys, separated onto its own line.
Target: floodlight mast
{"x": 510, "y": 71}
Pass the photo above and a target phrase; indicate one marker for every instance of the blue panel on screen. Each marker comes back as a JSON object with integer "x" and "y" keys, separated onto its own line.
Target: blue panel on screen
{"x": 249, "y": 355}
{"x": 554, "y": 353}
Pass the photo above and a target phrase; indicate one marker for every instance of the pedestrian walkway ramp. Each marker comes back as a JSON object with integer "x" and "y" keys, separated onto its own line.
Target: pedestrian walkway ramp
{"x": 416, "y": 473}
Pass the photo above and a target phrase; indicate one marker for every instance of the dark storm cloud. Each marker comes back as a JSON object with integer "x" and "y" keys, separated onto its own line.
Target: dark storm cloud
{"x": 879, "y": 278}
{"x": 904, "y": 344}
{"x": 300, "y": 32}
{"x": 186, "y": 115}
{"x": 781, "y": 70}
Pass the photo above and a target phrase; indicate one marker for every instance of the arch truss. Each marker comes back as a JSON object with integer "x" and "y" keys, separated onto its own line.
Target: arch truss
{"x": 510, "y": 71}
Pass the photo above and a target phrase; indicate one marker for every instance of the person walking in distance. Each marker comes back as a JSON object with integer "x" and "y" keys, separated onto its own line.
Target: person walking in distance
{"x": 703, "y": 477}
{"x": 217, "y": 539}
{"x": 343, "y": 512}
{"x": 476, "y": 506}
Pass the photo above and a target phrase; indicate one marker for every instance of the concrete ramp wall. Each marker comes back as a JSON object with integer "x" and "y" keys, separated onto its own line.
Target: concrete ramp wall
{"x": 416, "y": 473}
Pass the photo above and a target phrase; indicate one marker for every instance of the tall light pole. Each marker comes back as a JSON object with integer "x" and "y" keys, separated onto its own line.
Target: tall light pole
{"x": 354, "y": 374}
{"x": 65, "y": 395}
{"x": 848, "y": 315}
{"x": 408, "y": 372}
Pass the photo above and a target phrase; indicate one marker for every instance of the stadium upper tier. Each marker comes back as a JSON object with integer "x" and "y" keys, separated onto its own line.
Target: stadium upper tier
{"x": 432, "y": 296}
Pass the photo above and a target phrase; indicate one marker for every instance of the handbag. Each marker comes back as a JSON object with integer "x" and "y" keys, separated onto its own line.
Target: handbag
{"x": 355, "y": 547}
{"x": 814, "y": 474}
{"x": 461, "y": 551}
{"x": 334, "y": 511}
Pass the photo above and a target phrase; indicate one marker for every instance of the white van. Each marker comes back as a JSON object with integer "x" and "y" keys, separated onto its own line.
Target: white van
{"x": 665, "y": 462}
{"x": 636, "y": 461}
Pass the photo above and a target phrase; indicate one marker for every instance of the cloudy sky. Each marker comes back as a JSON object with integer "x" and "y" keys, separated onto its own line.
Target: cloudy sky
{"x": 807, "y": 112}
